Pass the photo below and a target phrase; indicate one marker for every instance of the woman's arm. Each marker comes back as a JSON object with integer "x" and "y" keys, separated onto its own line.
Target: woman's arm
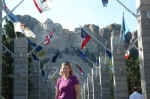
{"x": 57, "y": 92}
{"x": 77, "y": 90}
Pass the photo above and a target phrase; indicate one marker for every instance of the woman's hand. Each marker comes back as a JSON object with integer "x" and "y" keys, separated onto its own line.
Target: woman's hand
{"x": 57, "y": 92}
{"x": 77, "y": 90}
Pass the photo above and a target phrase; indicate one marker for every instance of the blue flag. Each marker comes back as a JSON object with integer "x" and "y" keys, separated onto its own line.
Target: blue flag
{"x": 108, "y": 53}
{"x": 43, "y": 72}
{"x": 105, "y": 2}
{"x": 35, "y": 57}
{"x": 37, "y": 47}
{"x": 82, "y": 54}
{"x": 123, "y": 28}
{"x": 55, "y": 57}
{"x": 31, "y": 43}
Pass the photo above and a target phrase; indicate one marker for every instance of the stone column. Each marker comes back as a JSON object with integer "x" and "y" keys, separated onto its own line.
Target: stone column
{"x": 90, "y": 87}
{"x": 144, "y": 45}
{"x": 0, "y": 46}
{"x": 34, "y": 81}
{"x": 104, "y": 81}
{"x": 20, "y": 69}
{"x": 93, "y": 88}
{"x": 96, "y": 82}
{"x": 84, "y": 91}
{"x": 87, "y": 85}
{"x": 120, "y": 74}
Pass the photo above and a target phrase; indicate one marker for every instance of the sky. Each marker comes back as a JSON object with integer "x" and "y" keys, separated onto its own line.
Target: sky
{"x": 74, "y": 13}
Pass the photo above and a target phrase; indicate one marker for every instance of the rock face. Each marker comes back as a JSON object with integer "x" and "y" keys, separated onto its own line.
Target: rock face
{"x": 64, "y": 40}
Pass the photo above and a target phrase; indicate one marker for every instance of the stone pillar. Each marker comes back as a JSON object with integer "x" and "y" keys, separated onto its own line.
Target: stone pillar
{"x": 104, "y": 81}
{"x": 144, "y": 45}
{"x": 120, "y": 74}
{"x": 87, "y": 85}
{"x": 93, "y": 88}
{"x": 84, "y": 91}
{"x": 0, "y": 47}
{"x": 34, "y": 81}
{"x": 20, "y": 69}
{"x": 90, "y": 87}
{"x": 96, "y": 82}
{"x": 43, "y": 87}
{"x": 81, "y": 92}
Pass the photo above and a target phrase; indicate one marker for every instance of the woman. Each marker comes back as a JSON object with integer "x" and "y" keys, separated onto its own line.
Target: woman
{"x": 67, "y": 85}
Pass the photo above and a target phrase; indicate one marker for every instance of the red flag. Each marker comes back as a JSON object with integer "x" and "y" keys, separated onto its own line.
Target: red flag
{"x": 80, "y": 69}
{"x": 127, "y": 54}
{"x": 47, "y": 40}
{"x": 51, "y": 34}
{"x": 42, "y": 5}
{"x": 85, "y": 41}
{"x": 86, "y": 37}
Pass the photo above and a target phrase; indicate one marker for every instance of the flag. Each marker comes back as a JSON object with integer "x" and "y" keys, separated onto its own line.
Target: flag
{"x": 35, "y": 57}
{"x": 12, "y": 17}
{"x": 55, "y": 57}
{"x": 47, "y": 40}
{"x": 97, "y": 62}
{"x": 108, "y": 53}
{"x": 86, "y": 37}
{"x": 80, "y": 69}
{"x": 127, "y": 54}
{"x": 42, "y": 5}
{"x": 105, "y": 3}
{"x": 123, "y": 28}
{"x": 82, "y": 54}
{"x": 43, "y": 72}
{"x": 41, "y": 1}
{"x": 37, "y": 47}
{"x": 19, "y": 27}
{"x": 51, "y": 34}
{"x": 31, "y": 43}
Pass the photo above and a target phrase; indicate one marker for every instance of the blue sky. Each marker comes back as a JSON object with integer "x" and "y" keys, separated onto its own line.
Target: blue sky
{"x": 73, "y": 13}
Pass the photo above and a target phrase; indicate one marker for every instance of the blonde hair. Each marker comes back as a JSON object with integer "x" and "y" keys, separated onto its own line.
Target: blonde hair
{"x": 66, "y": 64}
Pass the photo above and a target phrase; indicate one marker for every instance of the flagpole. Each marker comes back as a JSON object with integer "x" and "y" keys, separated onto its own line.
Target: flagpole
{"x": 54, "y": 73}
{"x": 39, "y": 78}
{"x": 135, "y": 15}
{"x": 12, "y": 9}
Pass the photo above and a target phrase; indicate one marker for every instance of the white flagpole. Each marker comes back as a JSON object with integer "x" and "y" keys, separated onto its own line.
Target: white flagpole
{"x": 135, "y": 15}
{"x": 12, "y": 9}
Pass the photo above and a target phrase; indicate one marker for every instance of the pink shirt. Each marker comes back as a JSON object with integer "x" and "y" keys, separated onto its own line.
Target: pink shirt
{"x": 66, "y": 87}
